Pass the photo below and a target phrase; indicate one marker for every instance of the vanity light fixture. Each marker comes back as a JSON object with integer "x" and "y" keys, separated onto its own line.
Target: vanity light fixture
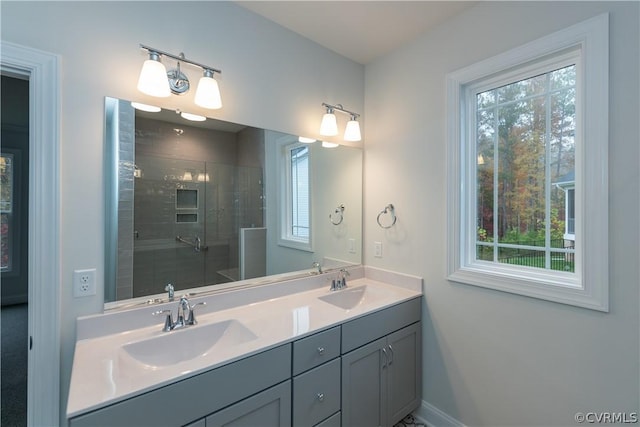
{"x": 145, "y": 107}
{"x": 155, "y": 80}
{"x": 306, "y": 140}
{"x": 329, "y": 125}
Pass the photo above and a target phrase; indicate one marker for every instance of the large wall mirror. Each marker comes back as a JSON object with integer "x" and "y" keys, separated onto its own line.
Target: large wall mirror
{"x": 209, "y": 205}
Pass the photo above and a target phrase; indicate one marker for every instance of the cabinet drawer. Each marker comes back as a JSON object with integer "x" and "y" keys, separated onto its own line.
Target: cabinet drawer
{"x": 315, "y": 350}
{"x": 363, "y": 330}
{"x": 332, "y": 421}
{"x": 316, "y": 394}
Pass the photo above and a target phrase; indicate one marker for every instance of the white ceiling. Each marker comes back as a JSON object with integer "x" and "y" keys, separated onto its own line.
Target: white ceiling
{"x": 359, "y": 30}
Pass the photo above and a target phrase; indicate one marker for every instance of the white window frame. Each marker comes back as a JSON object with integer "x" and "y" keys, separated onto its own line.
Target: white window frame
{"x": 285, "y": 237}
{"x": 588, "y": 285}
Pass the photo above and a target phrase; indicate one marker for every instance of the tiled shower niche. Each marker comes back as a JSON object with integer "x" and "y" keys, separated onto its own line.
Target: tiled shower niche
{"x": 196, "y": 189}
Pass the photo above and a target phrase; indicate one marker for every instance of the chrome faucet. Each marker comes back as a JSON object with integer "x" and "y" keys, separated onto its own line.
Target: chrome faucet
{"x": 317, "y": 265}
{"x": 185, "y": 317}
{"x": 169, "y": 288}
{"x": 341, "y": 281}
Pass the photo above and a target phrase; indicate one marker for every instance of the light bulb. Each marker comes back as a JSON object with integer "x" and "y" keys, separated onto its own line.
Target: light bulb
{"x": 153, "y": 77}
{"x": 329, "y": 125}
{"x": 208, "y": 92}
{"x": 352, "y": 131}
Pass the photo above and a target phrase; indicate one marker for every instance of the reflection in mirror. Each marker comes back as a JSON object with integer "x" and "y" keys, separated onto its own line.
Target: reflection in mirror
{"x": 216, "y": 204}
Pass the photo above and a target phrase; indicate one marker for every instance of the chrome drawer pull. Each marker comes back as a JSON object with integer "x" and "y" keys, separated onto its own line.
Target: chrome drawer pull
{"x": 321, "y": 351}
{"x": 391, "y": 354}
{"x": 321, "y": 397}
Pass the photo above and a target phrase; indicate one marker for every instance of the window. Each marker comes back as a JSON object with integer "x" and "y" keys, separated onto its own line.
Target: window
{"x": 295, "y": 226}
{"x": 524, "y": 136}
{"x": 527, "y": 169}
{"x": 6, "y": 212}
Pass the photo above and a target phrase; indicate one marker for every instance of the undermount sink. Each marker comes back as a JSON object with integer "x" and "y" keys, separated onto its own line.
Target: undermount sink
{"x": 352, "y": 297}
{"x": 186, "y": 344}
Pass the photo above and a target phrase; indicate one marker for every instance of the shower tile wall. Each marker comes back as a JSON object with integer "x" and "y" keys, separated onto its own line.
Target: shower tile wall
{"x": 175, "y": 157}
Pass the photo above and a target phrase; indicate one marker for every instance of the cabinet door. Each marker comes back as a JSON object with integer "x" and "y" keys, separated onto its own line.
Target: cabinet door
{"x": 271, "y": 408}
{"x": 200, "y": 423}
{"x": 363, "y": 382}
{"x": 404, "y": 372}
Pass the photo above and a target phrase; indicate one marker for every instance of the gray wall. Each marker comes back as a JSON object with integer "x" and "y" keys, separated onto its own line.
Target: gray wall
{"x": 98, "y": 43}
{"x": 493, "y": 358}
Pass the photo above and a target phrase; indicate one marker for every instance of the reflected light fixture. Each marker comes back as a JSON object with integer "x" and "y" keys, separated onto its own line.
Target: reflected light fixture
{"x": 327, "y": 144}
{"x": 145, "y": 107}
{"x": 192, "y": 117}
{"x": 329, "y": 125}
{"x": 306, "y": 140}
{"x": 155, "y": 80}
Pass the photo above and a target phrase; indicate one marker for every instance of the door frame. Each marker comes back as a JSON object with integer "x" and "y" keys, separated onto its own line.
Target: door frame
{"x": 42, "y": 69}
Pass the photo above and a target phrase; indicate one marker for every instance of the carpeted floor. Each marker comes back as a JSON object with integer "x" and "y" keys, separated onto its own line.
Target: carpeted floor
{"x": 13, "y": 368}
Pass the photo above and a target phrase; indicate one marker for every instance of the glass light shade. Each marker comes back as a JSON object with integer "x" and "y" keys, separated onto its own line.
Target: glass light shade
{"x": 193, "y": 117}
{"x": 187, "y": 176}
{"x": 352, "y": 131}
{"x": 327, "y": 144}
{"x": 306, "y": 140}
{"x": 329, "y": 125}
{"x": 208, "y": 93}
{"x": 153, "y": 79}
{"x": 145, "y": 107}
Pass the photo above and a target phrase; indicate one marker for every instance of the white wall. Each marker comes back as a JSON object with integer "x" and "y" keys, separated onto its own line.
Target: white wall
{"x": 493, "y": 358}
{"x": 271, "y": 78}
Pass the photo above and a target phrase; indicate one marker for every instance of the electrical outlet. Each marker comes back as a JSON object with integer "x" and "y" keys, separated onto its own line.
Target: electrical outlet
{"x": 84, "y": 282}
{"x": 377, "y": 251}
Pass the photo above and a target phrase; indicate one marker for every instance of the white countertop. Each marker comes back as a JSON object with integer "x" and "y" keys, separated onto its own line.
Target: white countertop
{"x": 103, "y": 373}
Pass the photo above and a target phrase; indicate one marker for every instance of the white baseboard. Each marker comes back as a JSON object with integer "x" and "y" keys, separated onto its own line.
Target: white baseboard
{"x": 434, "y": 417}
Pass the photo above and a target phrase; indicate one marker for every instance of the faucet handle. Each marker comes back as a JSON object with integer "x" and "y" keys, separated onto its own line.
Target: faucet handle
{"x": 192, "y": 316}
{"x": 168, "y": 320}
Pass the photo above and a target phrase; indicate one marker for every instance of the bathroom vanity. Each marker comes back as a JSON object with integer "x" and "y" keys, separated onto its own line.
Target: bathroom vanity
{"x": 289, "y": 353}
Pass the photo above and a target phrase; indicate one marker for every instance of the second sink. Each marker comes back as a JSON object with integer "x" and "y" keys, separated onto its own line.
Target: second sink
{"x": 352, "y": 297}
{"x": 186, "y": 344}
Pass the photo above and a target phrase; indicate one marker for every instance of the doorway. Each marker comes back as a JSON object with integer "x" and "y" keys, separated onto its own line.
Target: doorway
{"x": 42, "y": 70}
{"x": 14, "y": 234}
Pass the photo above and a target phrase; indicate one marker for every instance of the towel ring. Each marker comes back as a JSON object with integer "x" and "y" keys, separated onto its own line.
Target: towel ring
{"x": 389, "y": 209}
{"x": 337, "y": 215}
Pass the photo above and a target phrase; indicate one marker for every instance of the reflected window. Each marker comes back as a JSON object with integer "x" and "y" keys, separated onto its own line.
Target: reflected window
{"x": 295, "y": 230}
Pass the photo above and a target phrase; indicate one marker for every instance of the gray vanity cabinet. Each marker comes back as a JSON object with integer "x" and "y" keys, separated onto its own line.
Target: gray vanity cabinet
{"x": 363, "y": 373}
{"x": 381, "y": 381}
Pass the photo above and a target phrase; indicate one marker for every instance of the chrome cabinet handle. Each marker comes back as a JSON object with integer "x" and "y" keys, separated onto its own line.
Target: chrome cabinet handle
{"x": 391, "y": 354}
{"x": 384, "y": 355}
{"x": 321, "y": 351}
{"x": 320, "y": 397}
